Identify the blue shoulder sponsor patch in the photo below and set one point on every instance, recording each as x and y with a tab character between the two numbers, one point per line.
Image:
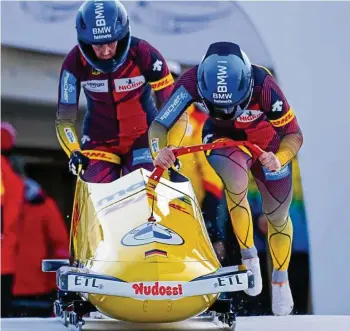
142	155
276	175
174	107
68	88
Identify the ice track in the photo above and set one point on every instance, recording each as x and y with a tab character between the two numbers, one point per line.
256	323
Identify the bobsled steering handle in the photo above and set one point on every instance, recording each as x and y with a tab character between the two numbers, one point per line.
158	171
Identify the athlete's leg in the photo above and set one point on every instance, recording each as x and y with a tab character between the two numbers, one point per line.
232	165
214	219
101	172
277	197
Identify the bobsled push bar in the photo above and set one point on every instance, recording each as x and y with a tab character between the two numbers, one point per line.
226	279
158	172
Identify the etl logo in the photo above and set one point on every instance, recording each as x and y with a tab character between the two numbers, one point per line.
228	280
87	282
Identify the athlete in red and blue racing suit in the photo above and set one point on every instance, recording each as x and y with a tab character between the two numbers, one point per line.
244	102
117	73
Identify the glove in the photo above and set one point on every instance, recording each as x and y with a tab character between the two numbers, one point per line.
77	162
175	167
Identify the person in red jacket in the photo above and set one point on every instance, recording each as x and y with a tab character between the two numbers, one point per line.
12	198
42	235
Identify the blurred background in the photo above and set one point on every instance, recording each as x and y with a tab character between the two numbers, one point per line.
304	44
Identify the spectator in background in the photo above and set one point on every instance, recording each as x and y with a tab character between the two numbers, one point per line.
32	229
42	235
12	199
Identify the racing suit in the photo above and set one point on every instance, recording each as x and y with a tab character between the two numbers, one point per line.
120	109
268	122
206	183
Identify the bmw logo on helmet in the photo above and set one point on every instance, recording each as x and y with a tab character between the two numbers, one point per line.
102	22
225	80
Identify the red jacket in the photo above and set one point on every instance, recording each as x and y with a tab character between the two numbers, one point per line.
12	199
43	235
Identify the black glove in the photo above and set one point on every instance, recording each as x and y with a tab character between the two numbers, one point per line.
77	159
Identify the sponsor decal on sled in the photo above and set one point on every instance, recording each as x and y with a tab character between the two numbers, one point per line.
149	233
156	252
123	203
87	282
117	195
157	290
230	280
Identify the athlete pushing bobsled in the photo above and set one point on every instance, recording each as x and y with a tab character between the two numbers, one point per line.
244	103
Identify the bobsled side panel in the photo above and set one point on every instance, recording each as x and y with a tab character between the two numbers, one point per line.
151	311
90	199
85	231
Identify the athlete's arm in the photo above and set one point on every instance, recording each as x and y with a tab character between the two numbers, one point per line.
68	100
156	71
282	117
183	95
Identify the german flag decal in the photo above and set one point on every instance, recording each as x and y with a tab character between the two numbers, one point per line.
155	252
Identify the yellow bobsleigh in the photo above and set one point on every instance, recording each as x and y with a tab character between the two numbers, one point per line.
141	253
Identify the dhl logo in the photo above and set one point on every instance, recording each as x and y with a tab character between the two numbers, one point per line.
101	155
172	205
179	208
104	156
285	119
75	220
164	82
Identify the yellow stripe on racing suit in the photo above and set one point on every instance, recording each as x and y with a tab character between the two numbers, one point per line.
67	136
